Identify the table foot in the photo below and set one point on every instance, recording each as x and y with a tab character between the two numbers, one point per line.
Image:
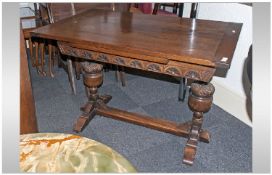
200	101
83	121
204	136
92	78
189	154
105	98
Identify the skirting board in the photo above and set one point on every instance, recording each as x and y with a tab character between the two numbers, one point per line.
232	102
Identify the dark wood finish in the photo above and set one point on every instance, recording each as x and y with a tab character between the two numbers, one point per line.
174	68
180	129
200	40
188	48
71	74
182	89
29	24
200	101
183	84
28	121
194	8
92	78
60	11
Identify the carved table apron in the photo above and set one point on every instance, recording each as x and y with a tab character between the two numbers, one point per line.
200	48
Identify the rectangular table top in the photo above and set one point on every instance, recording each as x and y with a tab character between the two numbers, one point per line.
148	37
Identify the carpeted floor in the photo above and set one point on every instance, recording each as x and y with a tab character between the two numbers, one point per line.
148	150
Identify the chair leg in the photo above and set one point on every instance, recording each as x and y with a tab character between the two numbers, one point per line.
39	66
77	69
122	76
53	55
71	75
31	52
50	59
58	57
182	89
117	75
106	68
42	59
36	53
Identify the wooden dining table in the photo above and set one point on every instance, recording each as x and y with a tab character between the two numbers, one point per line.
179	47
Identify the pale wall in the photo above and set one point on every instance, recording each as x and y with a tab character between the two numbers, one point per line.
231	91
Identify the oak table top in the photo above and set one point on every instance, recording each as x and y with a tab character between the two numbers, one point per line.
153	38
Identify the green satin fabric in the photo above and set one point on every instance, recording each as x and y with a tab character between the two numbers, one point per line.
65	153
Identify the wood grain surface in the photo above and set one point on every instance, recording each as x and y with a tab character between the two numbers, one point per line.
28	121
203	42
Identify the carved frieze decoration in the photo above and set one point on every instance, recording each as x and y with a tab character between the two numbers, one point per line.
173	71
154	67
179	69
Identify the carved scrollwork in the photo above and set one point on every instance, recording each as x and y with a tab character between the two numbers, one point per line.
173	71
154	67
102	57
91	67
73	52
136	64
193	75
202	89
193	71
120	61
207	75
86	54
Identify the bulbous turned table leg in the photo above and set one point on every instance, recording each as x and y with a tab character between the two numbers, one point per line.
92	79
200	101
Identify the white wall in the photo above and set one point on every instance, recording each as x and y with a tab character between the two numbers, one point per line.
230	92
232	12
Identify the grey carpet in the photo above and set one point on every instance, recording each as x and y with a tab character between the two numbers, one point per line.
148	150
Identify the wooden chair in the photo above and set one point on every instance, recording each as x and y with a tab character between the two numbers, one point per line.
158	6
28	24
60	11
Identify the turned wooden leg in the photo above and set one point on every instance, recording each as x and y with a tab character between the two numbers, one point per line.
182	89
31	52
78	69
40	66
36	53
54	55
50	59
42	54
200	101
92	78
122	76
117	73
71	75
